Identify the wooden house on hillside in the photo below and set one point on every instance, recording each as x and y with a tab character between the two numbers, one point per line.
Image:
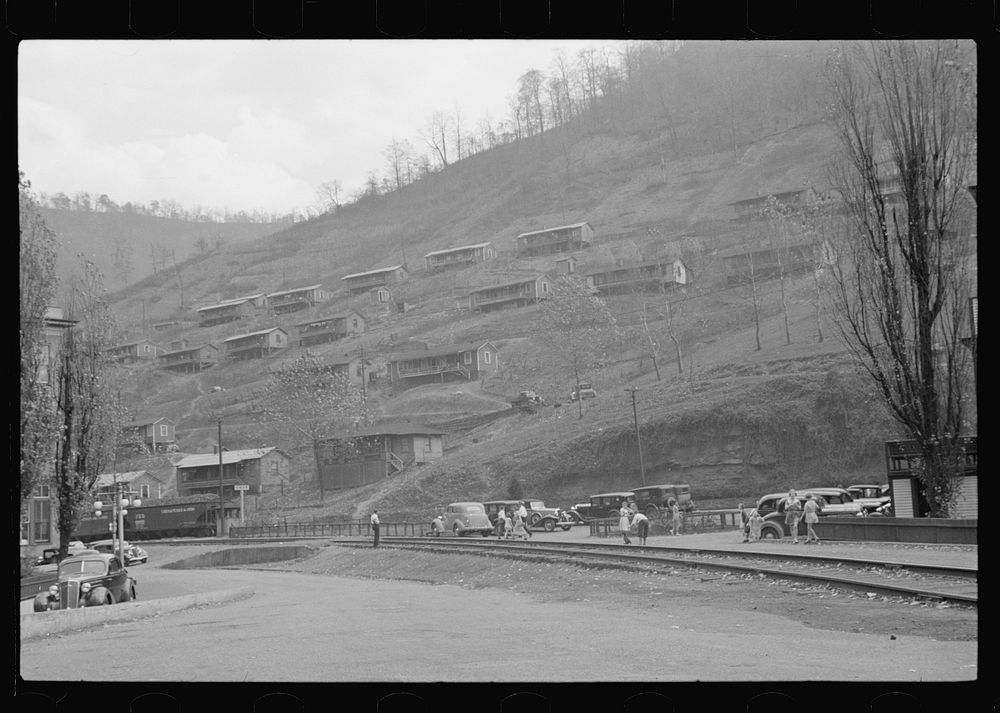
756	208
330	328
132	352
293	300
470	361
373	454
155	434
189	359
260	468
518	293
255	345
656	275
763	262
359	282
460	257
566	265
140	483
230	310
908	497
547	241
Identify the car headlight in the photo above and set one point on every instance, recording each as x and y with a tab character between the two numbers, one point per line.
86	587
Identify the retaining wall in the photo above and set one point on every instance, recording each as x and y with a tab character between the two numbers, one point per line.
243	555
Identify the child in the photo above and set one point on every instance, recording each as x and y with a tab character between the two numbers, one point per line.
755	521
745	522
508	528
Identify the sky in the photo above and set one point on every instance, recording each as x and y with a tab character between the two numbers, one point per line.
247	124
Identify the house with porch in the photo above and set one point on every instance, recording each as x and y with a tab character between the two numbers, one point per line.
763	262
469	361
255	345
189	359
140	483
375	453
460	257
38	512
330	328
649	276
229	310
154	434
263	469
560	239
298	298
359	282
132	352
756	207
508	295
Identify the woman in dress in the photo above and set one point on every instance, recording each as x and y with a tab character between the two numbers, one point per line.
811	510
624	522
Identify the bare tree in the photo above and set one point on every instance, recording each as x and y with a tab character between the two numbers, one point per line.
436	137
122	260
328	195
901	280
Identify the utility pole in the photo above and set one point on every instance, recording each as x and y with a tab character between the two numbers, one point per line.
638	443
221	510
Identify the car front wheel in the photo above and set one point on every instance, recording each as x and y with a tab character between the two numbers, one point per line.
566	527
770	533
549	525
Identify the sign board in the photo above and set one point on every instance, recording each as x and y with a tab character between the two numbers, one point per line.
241	487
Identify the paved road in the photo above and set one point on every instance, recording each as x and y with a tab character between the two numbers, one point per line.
305	627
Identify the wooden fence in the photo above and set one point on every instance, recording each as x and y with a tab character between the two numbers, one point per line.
691	522
328	529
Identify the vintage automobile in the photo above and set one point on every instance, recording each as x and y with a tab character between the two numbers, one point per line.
467	518
546	518
133	553
50	554
583	390
527	401
870	497
493	507
652	499
834	501
605	505
86	580
579	512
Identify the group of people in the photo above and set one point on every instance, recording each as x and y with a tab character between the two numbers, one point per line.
795	511
630	519
514	525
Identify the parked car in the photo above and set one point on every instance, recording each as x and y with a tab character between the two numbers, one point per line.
583	390
493	507
651	499
527	401
546	518
465	518
50	554
133	553
580	512
605	505
772	507
86	580
870	497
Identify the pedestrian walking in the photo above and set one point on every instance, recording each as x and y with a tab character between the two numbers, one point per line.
793	513
811	510
437	526
523	514
375	527
501	523
508	527
520	531
624	522
755	521
745	522
641	524
675	517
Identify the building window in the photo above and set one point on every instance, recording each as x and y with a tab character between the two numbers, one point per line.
43	364
164	429
145	348
41	520
545	287
355	323
427	444
41	491
486	357
144	491
467	357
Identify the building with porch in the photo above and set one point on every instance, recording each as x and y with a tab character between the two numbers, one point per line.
255	345
229	310
756	207
649	276
518	293
373	454
189	359
293	300
469	361
460	257
359	282
561	239
330	328
263	469
141	483
155	434
132	352
763	262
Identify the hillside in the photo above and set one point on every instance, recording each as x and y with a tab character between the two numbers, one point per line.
736	422
108	238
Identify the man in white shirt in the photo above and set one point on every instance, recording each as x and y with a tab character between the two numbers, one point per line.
501	523
523	512
375	524
641	524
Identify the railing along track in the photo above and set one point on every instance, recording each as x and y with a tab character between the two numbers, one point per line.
950	584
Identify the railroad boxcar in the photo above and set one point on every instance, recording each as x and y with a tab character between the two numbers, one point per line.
152	522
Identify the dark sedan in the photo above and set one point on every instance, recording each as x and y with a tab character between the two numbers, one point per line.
86	580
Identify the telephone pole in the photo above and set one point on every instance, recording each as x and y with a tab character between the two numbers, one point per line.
638	442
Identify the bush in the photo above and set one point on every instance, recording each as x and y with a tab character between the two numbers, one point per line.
514	490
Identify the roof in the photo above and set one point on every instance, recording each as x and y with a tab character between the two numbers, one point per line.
743	250
455	250
328	318
148	421
439	351
292	291
106	479
549	230
188	349
202	459
127	344
620	492
254	334
776	194
372	272
513	282
224	304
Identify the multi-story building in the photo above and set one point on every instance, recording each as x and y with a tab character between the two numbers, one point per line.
469	361
132	352
293	300
189	359
255	345
657	275
518	293
330	328
260	468
359	282
547	241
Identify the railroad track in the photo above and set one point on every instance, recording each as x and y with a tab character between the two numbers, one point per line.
928	582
